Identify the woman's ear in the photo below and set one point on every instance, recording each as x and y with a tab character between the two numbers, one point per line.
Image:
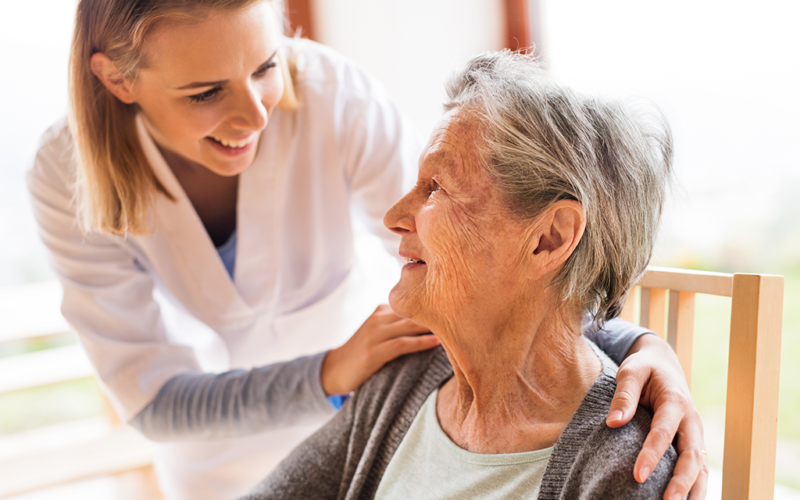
558	231
111	78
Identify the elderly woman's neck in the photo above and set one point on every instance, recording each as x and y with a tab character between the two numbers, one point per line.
516	382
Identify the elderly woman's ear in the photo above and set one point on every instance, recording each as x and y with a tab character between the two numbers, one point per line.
556	234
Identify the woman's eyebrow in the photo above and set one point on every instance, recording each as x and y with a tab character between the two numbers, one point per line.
219	83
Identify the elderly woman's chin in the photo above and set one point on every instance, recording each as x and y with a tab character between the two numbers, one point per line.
405	297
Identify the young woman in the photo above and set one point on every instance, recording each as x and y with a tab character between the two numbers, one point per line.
198	209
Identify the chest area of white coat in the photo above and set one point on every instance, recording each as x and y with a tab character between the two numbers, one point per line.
294	237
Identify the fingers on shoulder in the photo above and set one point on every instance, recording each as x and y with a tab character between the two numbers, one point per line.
632	373
383	314
700	487
663	429
690	476
675	397
407	344
626	399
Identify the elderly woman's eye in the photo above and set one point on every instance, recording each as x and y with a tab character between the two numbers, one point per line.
435	186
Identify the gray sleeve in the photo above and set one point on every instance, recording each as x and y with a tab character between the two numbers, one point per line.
236	403
616	337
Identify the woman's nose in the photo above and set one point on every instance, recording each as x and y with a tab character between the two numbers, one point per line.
400	219
250	113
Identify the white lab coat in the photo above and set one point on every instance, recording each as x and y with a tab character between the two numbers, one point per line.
149	307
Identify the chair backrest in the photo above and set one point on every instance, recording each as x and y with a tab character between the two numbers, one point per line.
751	409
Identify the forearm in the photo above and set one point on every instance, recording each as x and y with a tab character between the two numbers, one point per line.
236	403
617	338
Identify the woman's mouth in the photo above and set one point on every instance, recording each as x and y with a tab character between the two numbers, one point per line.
233	147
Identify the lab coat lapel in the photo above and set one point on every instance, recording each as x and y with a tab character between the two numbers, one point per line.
184	255
262	201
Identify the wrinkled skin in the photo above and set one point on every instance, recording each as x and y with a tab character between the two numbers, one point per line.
455	212
520	366
472	262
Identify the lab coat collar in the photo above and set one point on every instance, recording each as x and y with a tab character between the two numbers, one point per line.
263	190
197	276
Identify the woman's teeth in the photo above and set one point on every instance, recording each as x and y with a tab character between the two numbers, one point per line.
414	261
236	144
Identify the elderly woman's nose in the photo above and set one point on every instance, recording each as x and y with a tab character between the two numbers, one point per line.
399	218
249	112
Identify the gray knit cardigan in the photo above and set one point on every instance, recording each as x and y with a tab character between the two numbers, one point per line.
346	458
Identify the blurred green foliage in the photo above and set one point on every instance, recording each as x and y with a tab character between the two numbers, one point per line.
51	404
48	405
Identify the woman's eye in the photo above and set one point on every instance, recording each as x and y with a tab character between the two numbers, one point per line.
435	186
205	96
264	69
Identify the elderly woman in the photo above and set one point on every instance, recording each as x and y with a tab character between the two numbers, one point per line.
533	205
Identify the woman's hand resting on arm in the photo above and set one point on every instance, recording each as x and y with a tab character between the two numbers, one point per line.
651	375
383	337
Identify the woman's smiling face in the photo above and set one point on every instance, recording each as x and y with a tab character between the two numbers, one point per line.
464	248
209	87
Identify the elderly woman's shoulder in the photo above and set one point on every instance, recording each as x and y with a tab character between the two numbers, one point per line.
609	456
593	460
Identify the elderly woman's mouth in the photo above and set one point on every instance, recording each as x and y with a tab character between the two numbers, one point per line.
410	257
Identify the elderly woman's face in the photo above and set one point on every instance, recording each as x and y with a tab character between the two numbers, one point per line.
463	248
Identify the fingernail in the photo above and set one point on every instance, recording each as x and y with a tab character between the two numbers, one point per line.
644	474
614	416
676	496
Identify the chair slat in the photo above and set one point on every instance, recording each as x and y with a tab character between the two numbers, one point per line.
688	281
644	307
630	306
653	310
672	320
681	335
751	411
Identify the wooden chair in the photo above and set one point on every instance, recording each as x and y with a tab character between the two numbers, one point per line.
751	411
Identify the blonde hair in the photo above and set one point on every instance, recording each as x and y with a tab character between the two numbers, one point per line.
115	184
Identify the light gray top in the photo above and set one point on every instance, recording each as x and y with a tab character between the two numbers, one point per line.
347	458
428	465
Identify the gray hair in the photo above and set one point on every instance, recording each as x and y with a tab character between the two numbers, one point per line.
542	142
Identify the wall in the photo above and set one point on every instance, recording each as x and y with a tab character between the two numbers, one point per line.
411	45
